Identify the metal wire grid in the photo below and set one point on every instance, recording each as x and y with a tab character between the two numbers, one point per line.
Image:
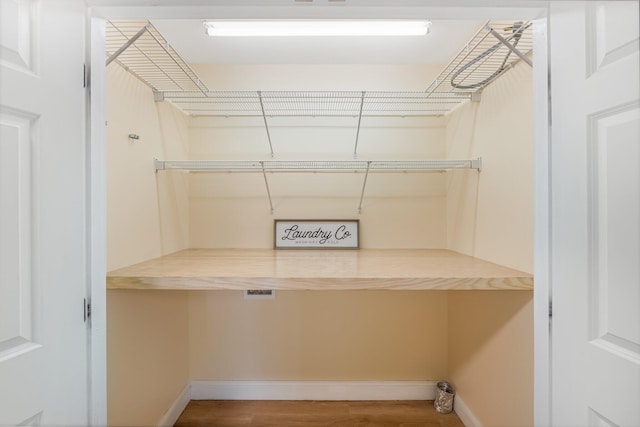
316	165
150	57
483	58
313	103
478	63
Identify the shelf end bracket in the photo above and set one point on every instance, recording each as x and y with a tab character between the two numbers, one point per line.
158	165
477	164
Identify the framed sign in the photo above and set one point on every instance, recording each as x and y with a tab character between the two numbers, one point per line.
316	234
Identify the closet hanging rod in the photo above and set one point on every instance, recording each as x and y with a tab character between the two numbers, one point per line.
317	165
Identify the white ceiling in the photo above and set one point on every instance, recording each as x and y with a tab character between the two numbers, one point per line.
445	39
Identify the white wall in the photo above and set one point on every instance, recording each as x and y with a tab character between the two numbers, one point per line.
490	355
232	210
318	335
490	216
358	77
147	213
147	216
147	354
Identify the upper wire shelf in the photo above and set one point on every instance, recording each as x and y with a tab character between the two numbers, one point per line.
495	48
313	103
140	48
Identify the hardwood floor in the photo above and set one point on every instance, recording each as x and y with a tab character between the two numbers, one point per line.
234	413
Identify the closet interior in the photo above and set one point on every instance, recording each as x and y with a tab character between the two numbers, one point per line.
435	161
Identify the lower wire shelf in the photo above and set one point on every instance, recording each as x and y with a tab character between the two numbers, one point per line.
317	165
335	166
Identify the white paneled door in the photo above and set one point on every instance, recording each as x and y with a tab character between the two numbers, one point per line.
43	214
595	213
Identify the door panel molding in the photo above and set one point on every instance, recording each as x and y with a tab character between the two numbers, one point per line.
614	229
18	35
610	35
43	214
16	257
596	419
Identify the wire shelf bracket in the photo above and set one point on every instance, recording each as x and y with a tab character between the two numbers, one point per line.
364	185
266	125
355	148
266	183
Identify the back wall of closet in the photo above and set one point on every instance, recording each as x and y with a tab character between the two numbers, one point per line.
481	341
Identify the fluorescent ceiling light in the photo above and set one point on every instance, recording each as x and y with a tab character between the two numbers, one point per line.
260	28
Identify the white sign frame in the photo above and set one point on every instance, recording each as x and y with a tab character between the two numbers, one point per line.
316	234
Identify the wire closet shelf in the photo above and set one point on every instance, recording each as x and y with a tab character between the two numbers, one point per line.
143	51
140	48
354	166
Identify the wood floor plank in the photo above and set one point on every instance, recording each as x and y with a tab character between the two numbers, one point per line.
282	413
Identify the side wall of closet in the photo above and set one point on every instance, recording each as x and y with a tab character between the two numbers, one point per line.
490	216
159	340
147	216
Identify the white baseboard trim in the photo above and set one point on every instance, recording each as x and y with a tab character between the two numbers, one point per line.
313	390
464	413
173	413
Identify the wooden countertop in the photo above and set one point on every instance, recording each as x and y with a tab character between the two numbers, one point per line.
194	269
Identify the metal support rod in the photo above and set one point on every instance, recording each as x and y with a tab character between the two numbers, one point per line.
510	47
129	42
364	185
266	183
266	125
355	149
